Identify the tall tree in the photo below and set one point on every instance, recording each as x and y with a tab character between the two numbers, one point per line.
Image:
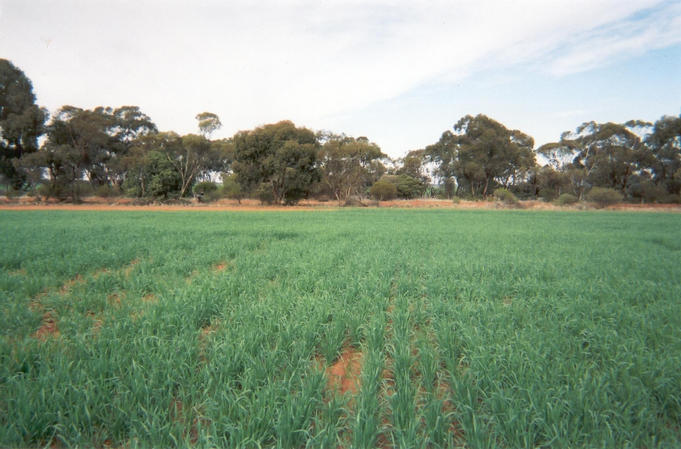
413	164
603	155
88	134
279	160
664	145
349	165
21	120
130	123
481	153
208	123
187	157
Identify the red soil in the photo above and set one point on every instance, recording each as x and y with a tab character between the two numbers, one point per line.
48	328
70	283
150	297
221	266
127	204
344	375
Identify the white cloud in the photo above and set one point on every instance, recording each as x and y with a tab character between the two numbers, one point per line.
658	29
257	62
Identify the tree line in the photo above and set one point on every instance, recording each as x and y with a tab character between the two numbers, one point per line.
120	151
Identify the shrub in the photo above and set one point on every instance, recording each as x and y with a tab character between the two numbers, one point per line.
231	188
456	200
671	199
566	199
105	191
505	196
383	190
206	191
264	194
548	194
603	196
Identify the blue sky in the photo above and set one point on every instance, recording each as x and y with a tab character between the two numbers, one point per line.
398	72
540	104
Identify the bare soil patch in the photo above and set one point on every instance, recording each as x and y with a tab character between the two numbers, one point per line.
343	376
221	266
48	328
68	285
128	204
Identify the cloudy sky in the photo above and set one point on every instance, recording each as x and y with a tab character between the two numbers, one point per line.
398	72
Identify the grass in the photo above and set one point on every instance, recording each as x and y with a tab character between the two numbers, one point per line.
477	329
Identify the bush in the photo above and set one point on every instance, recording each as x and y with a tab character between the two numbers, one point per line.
383	190
456	200
566	199
206	191
231	188
264	194
106	191
505	196
548	194
603	196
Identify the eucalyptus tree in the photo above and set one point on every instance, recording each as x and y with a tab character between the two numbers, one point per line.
349	165
278	161
21	120
208	123
482	153
664	145
602	154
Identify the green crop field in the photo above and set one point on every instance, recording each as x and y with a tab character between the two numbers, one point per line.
340	329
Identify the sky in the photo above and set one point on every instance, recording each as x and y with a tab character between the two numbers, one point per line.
398	72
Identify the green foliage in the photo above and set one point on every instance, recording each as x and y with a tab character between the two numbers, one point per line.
278	157
664	157
475	328
505	196
152	175
383	190
231	188
206	191
603	196
106	191
481	153
645	190
407	186
349	165
566	199
208	123
21	120
264	194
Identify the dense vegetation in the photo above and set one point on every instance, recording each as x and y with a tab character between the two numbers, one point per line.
114	151
507	329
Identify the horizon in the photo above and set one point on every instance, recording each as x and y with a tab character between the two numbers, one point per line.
393	72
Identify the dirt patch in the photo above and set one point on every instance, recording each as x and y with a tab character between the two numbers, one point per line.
97	323
48	328
222	266
343	375
68	285
114	299
150	297
204	335
127	204
99	273
35	305
128	269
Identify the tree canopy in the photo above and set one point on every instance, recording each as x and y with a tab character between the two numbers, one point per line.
482	152
21	120
279	161
120	150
